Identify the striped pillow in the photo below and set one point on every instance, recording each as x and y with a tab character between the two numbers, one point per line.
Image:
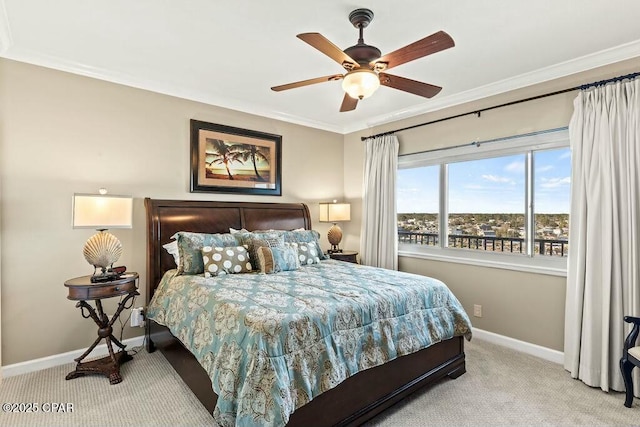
277	259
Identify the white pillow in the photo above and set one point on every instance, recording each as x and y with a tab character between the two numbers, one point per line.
234	231
172	248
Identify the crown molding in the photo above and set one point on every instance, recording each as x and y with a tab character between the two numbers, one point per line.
584	63
563	69
210	98
6	41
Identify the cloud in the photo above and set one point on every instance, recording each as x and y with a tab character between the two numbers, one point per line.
496	178
517	166
544	168
554	182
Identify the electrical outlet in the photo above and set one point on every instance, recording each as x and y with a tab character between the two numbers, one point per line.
137	317
134	317
477	310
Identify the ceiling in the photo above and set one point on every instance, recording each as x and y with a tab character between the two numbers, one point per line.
229	53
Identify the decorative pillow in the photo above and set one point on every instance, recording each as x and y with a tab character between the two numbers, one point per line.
190	246
227	260
308	253
256	243
172	249
277	259
305	236
253	240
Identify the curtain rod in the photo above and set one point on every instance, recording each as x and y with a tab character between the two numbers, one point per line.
507	104
488	141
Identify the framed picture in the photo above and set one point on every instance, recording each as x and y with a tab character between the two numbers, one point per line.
232	160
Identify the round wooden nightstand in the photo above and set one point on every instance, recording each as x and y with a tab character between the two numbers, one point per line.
82	290
348	256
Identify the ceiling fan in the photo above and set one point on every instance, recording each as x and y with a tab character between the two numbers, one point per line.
366	66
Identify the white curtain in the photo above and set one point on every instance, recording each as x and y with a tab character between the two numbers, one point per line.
379	235
603	274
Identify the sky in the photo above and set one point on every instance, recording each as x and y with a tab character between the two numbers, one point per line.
494	185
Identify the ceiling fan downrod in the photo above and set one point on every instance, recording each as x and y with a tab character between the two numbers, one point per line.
361	18
362	52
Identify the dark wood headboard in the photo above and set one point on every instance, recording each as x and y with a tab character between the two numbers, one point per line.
166	217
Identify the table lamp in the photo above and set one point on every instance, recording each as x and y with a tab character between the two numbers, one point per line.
335	212
102	212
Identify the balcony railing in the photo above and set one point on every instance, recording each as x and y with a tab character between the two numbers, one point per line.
551	247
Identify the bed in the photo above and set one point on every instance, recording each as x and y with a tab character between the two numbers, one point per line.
353	400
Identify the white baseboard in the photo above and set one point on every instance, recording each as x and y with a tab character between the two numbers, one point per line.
63	358
522	346
101	350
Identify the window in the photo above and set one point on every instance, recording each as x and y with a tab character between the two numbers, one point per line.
418	200
552	180
506	201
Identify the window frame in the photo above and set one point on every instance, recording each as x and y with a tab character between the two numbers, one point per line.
525	144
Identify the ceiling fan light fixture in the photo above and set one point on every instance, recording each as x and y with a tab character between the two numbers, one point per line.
360	83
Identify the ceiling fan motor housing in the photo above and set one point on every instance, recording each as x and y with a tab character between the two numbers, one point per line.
363	53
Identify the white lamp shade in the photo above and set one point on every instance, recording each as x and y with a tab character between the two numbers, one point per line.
335	212
360	83
102	212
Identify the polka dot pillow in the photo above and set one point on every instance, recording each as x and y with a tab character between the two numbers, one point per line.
308	253
228	260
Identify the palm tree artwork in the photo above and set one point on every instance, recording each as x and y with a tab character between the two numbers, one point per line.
256	154
219	152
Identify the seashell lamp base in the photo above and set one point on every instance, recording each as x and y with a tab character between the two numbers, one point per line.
102	250
334	236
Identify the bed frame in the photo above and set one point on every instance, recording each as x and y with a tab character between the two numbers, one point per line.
355	400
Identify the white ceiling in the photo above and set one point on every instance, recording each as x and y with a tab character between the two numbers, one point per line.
229	53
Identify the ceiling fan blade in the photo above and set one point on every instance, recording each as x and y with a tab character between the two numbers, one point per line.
428	45
408	85
321	43
348	103
307	82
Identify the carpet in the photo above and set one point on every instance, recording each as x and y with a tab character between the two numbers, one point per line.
501	387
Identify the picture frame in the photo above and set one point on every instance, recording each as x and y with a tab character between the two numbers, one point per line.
226	159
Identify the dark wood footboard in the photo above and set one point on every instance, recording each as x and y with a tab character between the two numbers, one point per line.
351	403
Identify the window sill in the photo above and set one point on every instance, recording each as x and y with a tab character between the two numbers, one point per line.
538	265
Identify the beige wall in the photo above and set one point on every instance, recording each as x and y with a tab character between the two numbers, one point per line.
61	134
525	306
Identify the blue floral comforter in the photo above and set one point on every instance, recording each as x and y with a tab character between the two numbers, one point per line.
271	343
